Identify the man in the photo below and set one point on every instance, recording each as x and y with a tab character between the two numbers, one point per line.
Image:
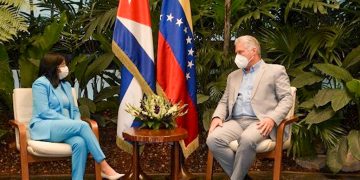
257	97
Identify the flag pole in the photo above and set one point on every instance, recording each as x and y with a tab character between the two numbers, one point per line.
184	174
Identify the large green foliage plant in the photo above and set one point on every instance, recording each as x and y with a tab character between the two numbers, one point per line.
315	40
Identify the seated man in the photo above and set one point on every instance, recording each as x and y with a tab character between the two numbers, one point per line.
256	99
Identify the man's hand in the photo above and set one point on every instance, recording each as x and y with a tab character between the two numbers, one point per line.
215	123
265	125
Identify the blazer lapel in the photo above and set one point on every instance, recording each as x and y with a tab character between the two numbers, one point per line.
257	79
69	96
58	98
237	83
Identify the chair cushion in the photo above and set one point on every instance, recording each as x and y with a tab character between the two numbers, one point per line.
264	146
49	149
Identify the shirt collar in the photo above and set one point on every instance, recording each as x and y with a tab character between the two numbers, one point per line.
254	67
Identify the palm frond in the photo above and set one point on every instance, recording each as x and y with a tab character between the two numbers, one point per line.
328	42
56	7
329	132
15	3
284	45
262	9
99	17
10	23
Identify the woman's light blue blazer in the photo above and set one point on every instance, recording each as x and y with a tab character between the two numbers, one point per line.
47	106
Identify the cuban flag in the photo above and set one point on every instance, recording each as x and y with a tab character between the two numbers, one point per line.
133	46
175	67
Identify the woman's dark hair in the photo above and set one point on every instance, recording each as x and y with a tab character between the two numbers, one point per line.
48	67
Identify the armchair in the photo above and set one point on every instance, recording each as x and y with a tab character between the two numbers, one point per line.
267	148
34	151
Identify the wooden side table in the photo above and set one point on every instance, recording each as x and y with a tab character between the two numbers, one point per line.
136	135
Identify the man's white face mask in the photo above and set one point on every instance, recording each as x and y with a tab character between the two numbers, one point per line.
241	61
64	71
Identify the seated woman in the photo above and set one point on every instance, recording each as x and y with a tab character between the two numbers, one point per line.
56	118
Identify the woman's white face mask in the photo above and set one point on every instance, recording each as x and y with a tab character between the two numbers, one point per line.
63	72
241	61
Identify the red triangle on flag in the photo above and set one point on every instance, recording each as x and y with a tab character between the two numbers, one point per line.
135	10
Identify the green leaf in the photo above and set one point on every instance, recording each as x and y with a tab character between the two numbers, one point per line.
343	150
202	98
89	103
352	58
319	115
106	93
99	64
332	162
306	78
11	20
340	99
354	143
323	97
299	69
334	71
308	104
105	44
84	111
207	118
51	35
354	87
6	78
28	72
104	105
78	59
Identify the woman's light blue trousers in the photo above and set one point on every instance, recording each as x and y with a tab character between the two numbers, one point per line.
82	140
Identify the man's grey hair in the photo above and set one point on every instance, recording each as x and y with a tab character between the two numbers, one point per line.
250	42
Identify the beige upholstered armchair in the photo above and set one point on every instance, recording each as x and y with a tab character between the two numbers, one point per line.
33	151
267	148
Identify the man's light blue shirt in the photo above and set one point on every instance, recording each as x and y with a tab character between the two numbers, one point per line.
242	105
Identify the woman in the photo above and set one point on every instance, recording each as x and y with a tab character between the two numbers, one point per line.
56	118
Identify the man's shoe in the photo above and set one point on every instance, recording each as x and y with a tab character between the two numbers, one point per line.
113	177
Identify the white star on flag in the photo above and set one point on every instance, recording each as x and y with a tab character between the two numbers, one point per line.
187	75
190	64
161	16
188	40
191	52
185	29
179	21
169	17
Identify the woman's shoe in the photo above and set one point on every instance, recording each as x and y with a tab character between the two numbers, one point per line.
113	177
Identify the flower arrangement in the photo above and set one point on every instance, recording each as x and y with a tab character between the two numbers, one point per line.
156	112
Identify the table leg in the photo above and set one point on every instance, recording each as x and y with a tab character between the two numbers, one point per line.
136	160
175	161
134	171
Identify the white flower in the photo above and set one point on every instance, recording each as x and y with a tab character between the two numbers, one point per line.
156	111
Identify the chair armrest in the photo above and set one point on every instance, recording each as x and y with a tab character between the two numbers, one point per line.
94	126
22	133
290	120
280	130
